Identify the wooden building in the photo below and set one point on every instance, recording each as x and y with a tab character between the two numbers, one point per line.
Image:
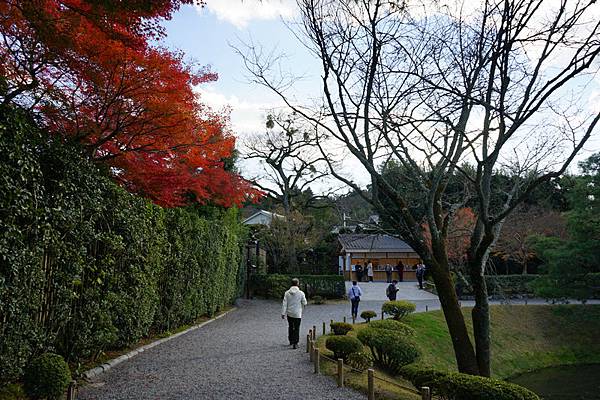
380	249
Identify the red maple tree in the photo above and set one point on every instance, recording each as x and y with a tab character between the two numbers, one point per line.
88	70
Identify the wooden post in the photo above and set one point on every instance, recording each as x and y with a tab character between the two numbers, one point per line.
72	390
324	328
426	308
425	393
314	332
344	318
307	343
330	329
340	372
312	350
317	361
371	384
382	313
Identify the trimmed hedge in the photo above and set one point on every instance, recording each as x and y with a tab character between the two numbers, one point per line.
510	286
398	309
343	346
368	315
47	377
275	285
391	350
87	267
340	328
393	325
458	386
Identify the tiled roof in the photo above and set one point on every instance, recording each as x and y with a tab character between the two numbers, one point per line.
373	242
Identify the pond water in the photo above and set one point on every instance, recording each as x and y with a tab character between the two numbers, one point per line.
576	382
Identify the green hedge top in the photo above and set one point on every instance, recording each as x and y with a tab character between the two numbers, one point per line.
275	285
458	386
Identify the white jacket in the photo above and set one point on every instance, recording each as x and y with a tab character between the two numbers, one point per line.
294	301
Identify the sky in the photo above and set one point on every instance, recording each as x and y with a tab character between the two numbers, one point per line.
206	35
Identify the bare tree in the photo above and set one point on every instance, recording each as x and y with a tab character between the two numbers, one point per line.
290	160
498	84
291	163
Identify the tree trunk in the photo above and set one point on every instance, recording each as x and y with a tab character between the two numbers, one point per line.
463	348
481	321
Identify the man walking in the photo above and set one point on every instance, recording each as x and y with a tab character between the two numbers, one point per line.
294	302
354	294
392	290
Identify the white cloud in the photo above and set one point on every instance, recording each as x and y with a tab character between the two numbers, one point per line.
241	12
247	114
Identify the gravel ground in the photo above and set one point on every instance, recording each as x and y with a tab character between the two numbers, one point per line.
243	355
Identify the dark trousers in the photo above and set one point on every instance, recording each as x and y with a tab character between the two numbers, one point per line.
293	329
388	275
420	279
355	302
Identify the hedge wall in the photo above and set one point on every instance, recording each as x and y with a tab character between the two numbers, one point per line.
502	286
508	286
275	285
86	266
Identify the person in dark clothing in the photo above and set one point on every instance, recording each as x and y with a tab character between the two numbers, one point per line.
392	290
359	272
400	269
388	273
420	274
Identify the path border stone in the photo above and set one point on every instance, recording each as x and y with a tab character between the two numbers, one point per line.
94	372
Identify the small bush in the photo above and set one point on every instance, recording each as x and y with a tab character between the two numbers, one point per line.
47	377
318	300
398	309
343	346
393	325
420	376
360	360
391	350
367	315
457	386
340	328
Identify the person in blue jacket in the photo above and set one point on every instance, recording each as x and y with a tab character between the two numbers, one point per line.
354	294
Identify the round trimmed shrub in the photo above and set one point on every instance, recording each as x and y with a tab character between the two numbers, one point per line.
340	328
47	377
360	360
398	309
393	325
367	315
391	350
343	346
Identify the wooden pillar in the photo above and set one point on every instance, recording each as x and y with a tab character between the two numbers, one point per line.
314	331
308	343
317	361
72	390
371	384
324	328
425	393
340	372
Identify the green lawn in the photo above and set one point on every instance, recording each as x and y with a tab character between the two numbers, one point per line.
524	338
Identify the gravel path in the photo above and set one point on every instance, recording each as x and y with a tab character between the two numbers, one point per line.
243	355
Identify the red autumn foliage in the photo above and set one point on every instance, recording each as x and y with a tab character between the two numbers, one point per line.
87	69
459	235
